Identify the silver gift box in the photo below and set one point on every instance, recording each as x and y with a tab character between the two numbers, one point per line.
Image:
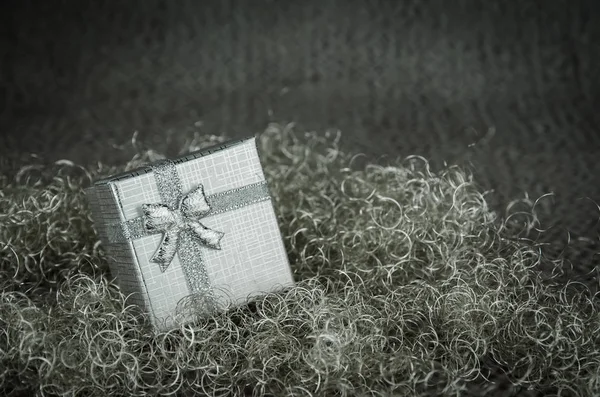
192	235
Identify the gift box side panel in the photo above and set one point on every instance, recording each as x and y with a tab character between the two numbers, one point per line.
231	168
253	260
106	211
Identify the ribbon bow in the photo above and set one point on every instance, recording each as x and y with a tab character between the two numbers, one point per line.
174	221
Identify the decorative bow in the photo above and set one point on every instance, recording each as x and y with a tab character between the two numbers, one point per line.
173	221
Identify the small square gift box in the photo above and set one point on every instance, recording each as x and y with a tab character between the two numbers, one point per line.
191	235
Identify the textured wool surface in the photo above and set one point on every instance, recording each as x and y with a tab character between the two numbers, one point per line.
407	284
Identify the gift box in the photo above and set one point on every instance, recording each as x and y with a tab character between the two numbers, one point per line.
191	235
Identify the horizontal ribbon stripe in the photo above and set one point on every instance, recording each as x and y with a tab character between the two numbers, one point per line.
134	229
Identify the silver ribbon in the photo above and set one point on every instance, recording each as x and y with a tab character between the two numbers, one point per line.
177	218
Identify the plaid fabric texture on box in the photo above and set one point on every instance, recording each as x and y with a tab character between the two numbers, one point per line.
251	259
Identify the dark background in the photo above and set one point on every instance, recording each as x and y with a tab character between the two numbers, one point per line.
519	79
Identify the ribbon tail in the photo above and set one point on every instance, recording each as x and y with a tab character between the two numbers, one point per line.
157	217
210	238
167	249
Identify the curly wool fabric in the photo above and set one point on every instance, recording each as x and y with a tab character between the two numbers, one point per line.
407	285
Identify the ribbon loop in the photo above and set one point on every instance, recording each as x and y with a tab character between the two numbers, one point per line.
194	204
158	217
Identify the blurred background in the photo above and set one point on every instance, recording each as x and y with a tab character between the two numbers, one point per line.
508	88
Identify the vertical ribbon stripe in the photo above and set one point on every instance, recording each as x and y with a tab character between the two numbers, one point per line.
194	270
167	180
188	249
